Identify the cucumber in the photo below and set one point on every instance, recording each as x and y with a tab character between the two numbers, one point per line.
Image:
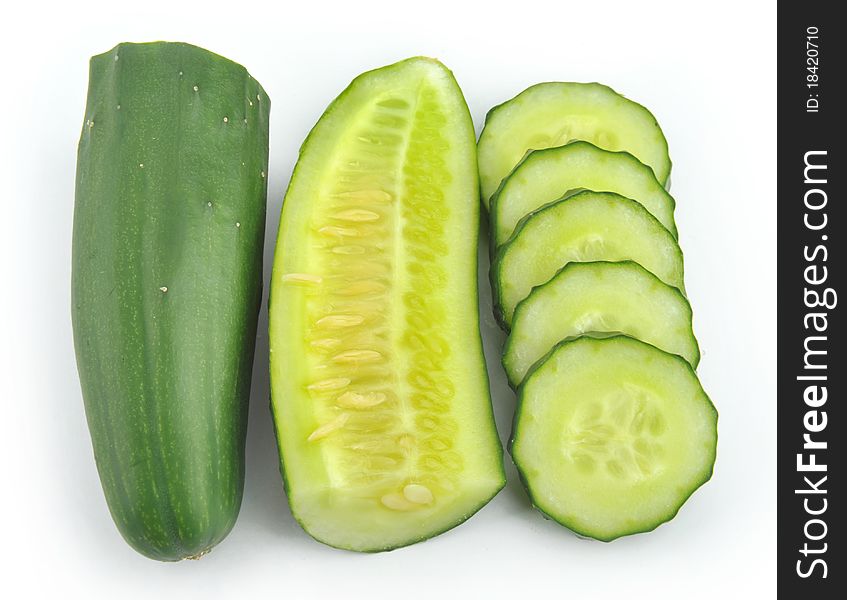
379	385
587	226
612	436
544	176
601	297
167	273
552	114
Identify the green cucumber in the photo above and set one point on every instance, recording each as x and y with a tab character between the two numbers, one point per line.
544	176
602	297
379	385
167	274
587	226
612	436
552	114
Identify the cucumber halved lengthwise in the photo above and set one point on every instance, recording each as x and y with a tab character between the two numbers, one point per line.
379	385
553	114
167	275
612	435
599	297
588	226
544	176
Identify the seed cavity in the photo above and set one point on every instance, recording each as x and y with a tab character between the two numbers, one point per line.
301	278
335	383
406	441
334	230
584	463
357	215
362	287
615	469
418	494
348	249
226	119
325	343
357	356
366	196
329	428
334	321
657	424
397	454
358	400
396	501
396	103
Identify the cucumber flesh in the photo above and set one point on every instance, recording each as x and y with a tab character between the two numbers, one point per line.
599	297
553	114
379	385
588	226
613	435
544	176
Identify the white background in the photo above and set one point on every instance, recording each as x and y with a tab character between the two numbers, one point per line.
707	71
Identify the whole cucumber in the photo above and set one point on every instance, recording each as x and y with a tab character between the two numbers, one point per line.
167	276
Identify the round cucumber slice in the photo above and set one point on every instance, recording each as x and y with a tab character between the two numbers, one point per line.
554	113
544	176
603	297
613	435
587	226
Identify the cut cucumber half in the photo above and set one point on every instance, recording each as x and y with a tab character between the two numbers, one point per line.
379	384
587	226
544	176
601	297
554	113
612	436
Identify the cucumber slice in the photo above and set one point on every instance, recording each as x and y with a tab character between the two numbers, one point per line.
605	297
587	226
612	436
544	176
379	384
552	114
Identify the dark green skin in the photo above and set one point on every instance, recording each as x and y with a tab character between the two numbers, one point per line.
166	288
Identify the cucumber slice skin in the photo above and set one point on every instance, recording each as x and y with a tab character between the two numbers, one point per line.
496	162
169	225
576	165
626	286
306	497
524	470
627	212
